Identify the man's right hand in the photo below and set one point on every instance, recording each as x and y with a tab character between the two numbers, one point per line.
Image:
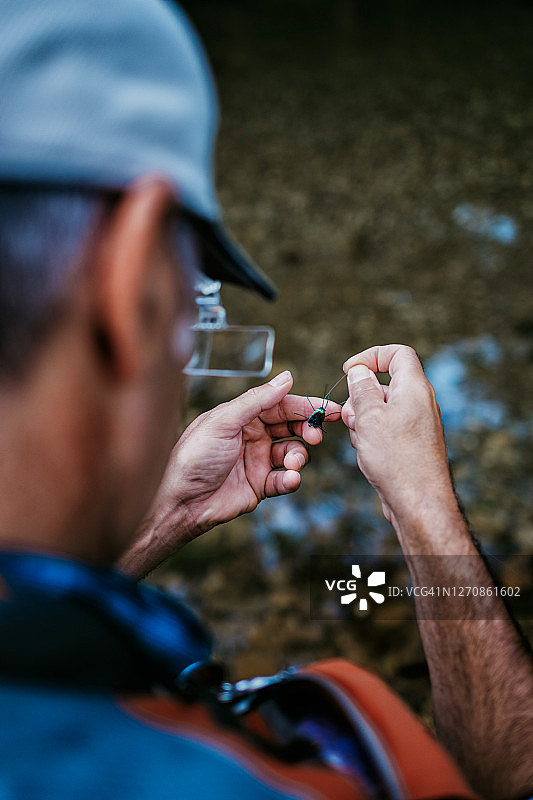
481	673
397	432
226	462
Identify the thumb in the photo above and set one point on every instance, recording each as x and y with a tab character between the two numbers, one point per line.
258	399
364	388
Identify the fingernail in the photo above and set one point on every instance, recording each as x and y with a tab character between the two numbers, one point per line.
301	458
358	373
283	377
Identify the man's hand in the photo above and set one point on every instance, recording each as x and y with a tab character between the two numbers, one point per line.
224	464
481	674
397	432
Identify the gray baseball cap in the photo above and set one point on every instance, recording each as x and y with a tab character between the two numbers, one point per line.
97	93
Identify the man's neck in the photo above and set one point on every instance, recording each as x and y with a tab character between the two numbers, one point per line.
49	466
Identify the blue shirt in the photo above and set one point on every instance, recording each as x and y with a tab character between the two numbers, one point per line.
78	643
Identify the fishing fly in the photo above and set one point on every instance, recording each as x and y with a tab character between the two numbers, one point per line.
316	419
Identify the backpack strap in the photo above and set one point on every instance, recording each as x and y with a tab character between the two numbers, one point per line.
304	779
331	720
419	761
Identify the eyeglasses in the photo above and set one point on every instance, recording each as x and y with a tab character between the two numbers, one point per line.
222	350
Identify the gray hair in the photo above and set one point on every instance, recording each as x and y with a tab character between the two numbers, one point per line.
46	233
43	236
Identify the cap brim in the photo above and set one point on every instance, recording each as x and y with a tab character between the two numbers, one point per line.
223	259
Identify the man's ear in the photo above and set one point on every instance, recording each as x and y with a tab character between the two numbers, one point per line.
124	286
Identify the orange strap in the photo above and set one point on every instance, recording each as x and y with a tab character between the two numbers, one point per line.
427	769
193	721
424	769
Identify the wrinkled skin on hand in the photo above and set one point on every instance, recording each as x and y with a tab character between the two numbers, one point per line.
397	429
230	458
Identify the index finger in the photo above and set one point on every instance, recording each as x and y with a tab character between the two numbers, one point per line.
391	358
289	417
282	430
294	407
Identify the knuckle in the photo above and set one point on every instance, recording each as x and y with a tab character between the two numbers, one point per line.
220	409
426	392
362	394
410	354
431	393
252	393
347	410
369	416
203	420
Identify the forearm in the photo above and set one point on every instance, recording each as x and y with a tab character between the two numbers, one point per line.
163	532
481	672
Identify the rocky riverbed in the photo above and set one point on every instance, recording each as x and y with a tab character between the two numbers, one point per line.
379	167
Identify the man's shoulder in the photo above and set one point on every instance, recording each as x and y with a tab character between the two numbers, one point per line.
80	705
67	640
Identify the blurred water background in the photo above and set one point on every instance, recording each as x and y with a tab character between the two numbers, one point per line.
376	158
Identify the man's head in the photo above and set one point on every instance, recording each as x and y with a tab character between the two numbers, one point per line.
106	197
